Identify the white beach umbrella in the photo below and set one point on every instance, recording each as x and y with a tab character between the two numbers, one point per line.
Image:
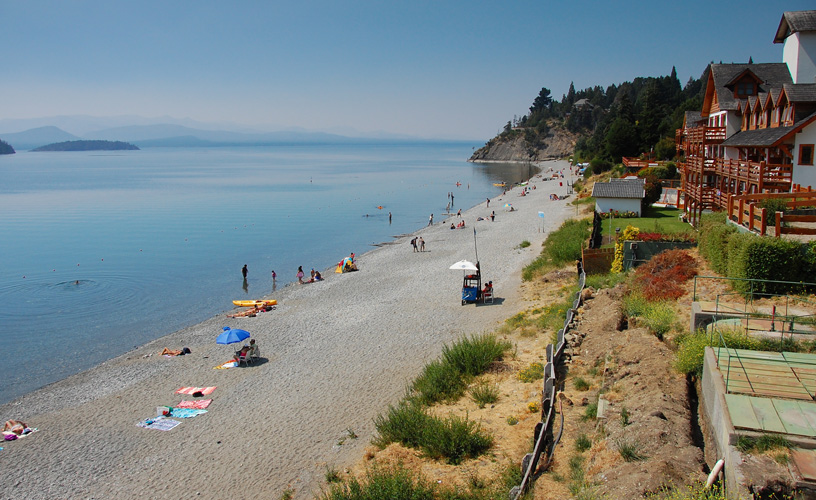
464	265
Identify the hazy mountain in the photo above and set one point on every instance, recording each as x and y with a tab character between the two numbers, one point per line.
146	135
36	137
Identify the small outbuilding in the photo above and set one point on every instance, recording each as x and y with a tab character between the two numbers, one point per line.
619	195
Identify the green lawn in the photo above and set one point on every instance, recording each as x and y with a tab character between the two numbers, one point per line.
656	220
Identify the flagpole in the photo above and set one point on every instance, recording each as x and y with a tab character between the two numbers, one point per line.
475	246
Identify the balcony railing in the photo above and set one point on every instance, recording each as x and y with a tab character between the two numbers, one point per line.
705	135
761	174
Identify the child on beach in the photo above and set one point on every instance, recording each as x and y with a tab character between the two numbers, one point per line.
300	275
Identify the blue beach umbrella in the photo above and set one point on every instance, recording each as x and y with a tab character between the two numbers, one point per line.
231	336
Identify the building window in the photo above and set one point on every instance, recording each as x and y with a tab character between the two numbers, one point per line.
745	89
806	154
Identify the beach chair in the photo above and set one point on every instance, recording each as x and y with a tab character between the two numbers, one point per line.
254	354
246	359
487	296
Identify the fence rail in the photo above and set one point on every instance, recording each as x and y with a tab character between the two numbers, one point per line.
545	441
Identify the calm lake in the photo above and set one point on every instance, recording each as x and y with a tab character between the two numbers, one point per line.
103	251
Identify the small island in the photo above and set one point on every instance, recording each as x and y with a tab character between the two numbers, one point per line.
87	146
5	148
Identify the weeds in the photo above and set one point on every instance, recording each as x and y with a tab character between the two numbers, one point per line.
591	412
332	476
580	384
624	416
763	443
561	247
532	373
582	443
695	491
484	394
472	356
524	244
630	451
512	420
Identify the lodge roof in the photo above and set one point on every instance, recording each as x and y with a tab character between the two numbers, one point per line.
771	74
800	92
794	22
767	137
693	119
756	138
620	188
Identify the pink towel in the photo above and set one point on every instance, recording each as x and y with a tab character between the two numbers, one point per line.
190	390
195	405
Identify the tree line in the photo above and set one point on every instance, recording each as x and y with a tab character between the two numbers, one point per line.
5	148
634	117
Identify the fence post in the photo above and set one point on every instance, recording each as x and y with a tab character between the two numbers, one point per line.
763	221
750	216
778	224
741	211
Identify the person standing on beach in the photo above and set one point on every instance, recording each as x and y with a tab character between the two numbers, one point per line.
389	217
274	276
421	244
488	203
300	275
244	271
459	213
451	199
414	243
430	220
493	216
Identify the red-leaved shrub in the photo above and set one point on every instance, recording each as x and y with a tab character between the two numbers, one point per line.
662	277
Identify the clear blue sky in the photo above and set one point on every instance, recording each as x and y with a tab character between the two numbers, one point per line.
446	69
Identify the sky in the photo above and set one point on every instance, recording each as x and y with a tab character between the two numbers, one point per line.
432	69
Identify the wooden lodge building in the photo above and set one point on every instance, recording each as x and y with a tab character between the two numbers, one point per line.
756	131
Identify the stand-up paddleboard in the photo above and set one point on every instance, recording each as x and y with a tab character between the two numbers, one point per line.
255	303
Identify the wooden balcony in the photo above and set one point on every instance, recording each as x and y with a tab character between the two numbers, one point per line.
757	176
705	135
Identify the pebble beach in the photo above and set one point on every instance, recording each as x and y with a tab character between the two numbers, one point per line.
334	355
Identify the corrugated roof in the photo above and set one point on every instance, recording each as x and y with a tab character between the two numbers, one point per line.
795	22
801	92
620	189
771	74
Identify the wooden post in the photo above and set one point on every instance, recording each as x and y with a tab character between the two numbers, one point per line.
750	216
763	221
741	211
730	208
778	224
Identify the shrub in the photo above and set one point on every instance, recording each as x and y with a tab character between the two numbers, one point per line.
714	236
395	483
512	420
532	373
663	276
561	247
403	423
439	381
524	244
472	356
691	352
454	439
659	318
590	412
763	443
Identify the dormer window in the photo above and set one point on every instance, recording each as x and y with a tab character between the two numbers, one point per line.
745	89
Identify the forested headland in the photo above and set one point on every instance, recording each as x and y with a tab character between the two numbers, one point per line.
87	146
5	148
629	119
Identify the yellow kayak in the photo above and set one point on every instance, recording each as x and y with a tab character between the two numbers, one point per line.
500	184
255	303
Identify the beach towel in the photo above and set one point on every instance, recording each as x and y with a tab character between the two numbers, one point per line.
228	364
158	423
198	405
190	390
186	412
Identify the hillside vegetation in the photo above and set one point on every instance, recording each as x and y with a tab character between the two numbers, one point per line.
6	149
608	124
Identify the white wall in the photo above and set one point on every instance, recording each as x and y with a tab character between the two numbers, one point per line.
804	175
619	204
799	53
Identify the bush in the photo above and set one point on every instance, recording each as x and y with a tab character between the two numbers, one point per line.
582	443
454	439
561	247
404	423
472	356
659	318
396	483
439	381
692	346
484	394
663	276
713	244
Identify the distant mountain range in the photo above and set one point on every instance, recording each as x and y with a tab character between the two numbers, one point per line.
34	133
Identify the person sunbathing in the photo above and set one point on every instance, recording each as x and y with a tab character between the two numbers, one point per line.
168	352
15	426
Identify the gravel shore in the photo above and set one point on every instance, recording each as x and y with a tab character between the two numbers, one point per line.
334	355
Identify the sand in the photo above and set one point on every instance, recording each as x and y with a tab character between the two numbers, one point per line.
334	354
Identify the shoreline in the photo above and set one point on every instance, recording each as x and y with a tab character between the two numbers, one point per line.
334	355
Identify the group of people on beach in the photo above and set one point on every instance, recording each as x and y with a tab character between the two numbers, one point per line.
313	276
418	243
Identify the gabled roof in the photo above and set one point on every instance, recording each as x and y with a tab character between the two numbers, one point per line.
692	119
794	22
767	137
722	75
800	92
620	189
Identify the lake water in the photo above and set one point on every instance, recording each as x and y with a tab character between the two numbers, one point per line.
104	251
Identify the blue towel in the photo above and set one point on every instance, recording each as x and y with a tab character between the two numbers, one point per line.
185	412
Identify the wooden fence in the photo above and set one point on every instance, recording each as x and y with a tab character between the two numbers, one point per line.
745	210
545	441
